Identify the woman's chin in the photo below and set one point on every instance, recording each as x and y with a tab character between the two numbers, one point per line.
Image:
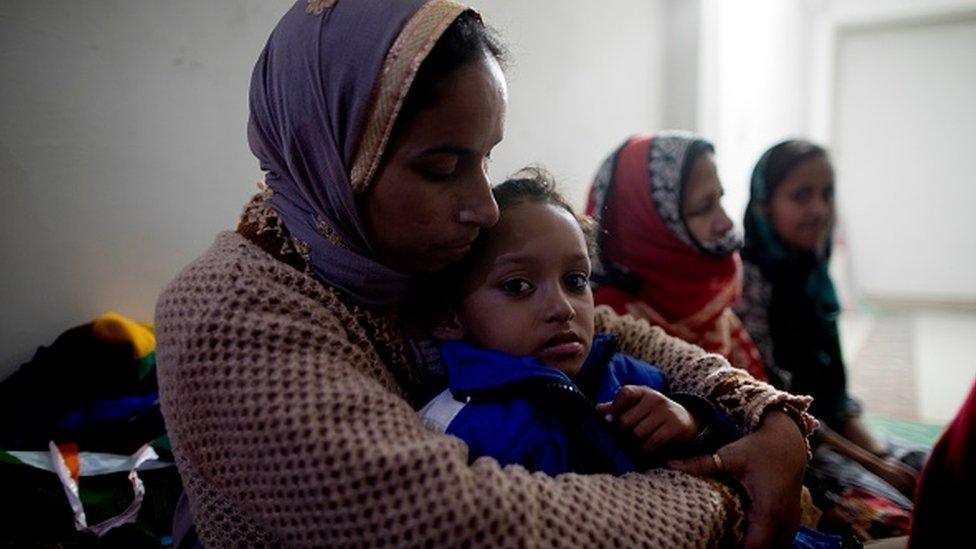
430	265
810	242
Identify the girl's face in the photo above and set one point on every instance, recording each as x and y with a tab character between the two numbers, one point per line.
801	208
701	202
431	194
527	292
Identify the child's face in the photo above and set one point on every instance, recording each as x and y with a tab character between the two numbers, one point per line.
527	292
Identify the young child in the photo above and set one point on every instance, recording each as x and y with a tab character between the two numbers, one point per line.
529	383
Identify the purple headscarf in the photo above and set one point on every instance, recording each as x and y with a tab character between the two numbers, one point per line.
317	92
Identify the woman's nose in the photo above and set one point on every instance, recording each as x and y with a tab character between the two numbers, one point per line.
823	209
479	207
723	224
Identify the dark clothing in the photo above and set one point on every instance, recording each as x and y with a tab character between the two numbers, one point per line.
946	493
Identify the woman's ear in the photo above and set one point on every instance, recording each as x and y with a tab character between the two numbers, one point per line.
447	324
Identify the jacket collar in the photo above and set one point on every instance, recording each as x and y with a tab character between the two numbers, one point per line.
473	370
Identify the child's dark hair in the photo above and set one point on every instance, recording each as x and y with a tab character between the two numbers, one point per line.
536	185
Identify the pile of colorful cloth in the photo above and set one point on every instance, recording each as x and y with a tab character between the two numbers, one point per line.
84	457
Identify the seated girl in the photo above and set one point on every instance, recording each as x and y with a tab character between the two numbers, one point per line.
791	310
525	369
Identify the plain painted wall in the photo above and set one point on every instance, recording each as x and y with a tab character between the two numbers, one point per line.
123	152
122	134
907	183
584	78
894	109
752	84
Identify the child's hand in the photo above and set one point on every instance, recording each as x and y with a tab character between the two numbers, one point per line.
656	420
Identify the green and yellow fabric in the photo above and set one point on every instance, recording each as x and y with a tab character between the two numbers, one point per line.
84	456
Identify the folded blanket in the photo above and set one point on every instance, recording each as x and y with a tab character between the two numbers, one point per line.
94	386
83	446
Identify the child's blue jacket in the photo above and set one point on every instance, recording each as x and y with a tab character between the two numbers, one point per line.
520	411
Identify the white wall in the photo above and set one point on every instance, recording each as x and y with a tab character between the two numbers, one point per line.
682	47
770	69
122	150
584	78
903	140
828	16
834	111
753	84
122	134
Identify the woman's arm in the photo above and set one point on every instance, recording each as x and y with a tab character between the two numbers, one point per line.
894	472
855	431
690	369
287	432
769	461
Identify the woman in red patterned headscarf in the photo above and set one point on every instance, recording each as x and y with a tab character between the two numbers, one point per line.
668	253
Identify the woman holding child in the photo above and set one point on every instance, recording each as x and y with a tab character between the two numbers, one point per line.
290	359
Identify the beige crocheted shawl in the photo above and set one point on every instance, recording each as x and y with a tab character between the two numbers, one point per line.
288	415
288	408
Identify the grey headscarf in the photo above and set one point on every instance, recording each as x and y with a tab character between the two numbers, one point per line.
673	153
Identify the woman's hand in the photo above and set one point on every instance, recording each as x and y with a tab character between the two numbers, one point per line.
769	463
656	420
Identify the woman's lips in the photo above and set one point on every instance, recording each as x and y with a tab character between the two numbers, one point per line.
816	225
458	252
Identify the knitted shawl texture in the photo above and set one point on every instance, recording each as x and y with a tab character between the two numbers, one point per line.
288	405
289	428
